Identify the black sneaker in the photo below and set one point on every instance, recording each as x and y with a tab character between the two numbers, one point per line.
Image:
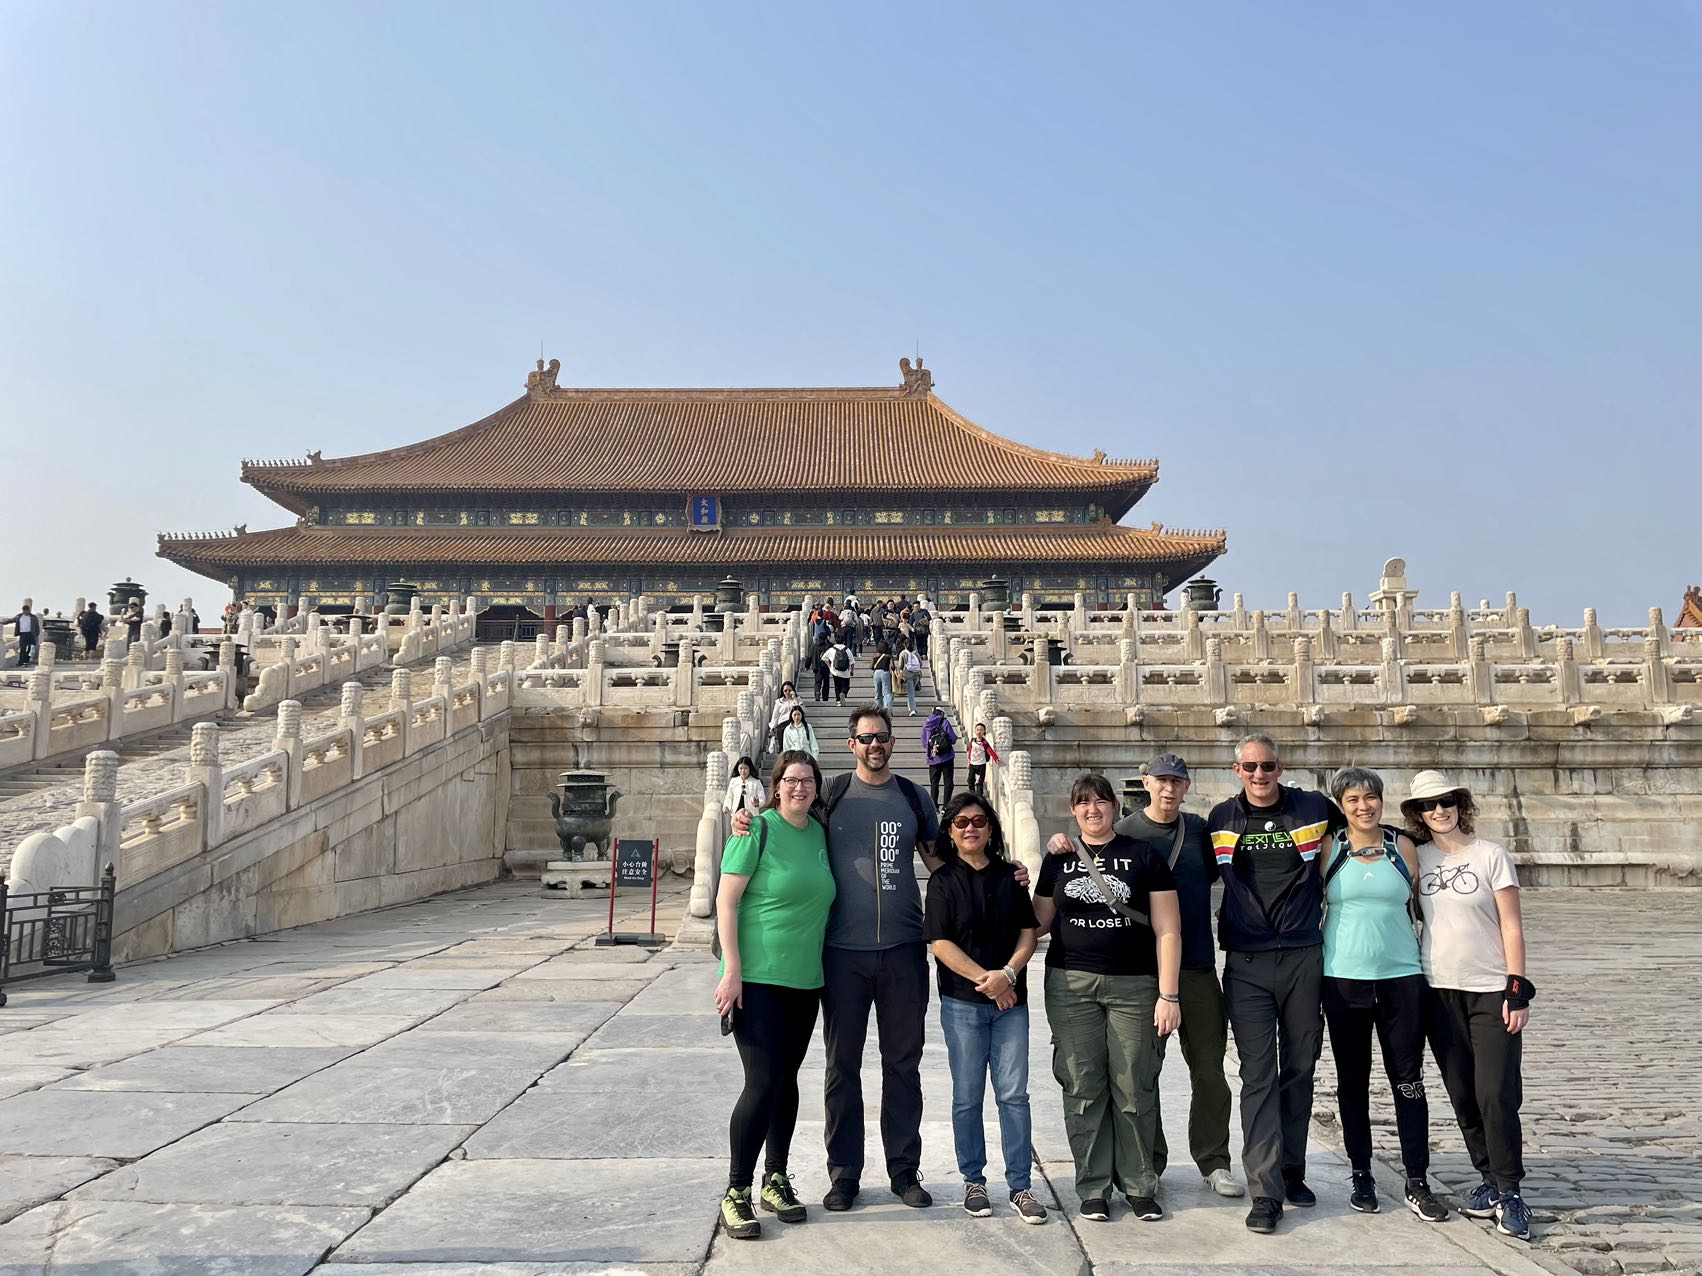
1264	1215
1145	1208
1364	1197
1295	1189
1096	1208
738	1219
1513	1216
975	1201
841	1196
908	1188
1422	1201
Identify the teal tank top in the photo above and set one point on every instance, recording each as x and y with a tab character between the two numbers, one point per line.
1367	931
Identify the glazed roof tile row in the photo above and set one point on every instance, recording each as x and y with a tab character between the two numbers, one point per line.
711	441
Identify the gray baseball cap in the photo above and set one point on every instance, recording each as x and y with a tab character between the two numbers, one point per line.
1168	764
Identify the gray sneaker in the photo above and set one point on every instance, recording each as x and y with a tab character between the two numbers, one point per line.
975	1201
1027	1208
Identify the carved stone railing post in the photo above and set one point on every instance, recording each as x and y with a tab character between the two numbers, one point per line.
1078	611
1392	632
685	676
1004	733
541	652
1459	628
1292	616
711	837
227	666
593	622
1132	617
1393	673
100	801
697	615
1305	676
1349	618
401	688
732	741
596	656
478	671
288	738
1482	673
443	680
1022	828
999	640
1510	613
578	632
1656	675
350	717
1238	612
1261	637
505	656
1217	677
112	675
136	662
46	655
174	679
1328	647
1566	671
1193	637
1524	635
986	709
1658	631
1042	676
972	618
1128	670
1594	646
727	648
563	636
749	727
204	769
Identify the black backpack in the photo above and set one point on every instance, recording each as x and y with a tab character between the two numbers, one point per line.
841	660
939	743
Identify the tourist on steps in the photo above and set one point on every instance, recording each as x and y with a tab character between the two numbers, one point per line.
27	626
91	623
842	664
980	754
818	662
799	734
982	931
781	715
771	912
1373	982
882	670
744	790
938	740
1266	841
1180	840
1478	999
909	674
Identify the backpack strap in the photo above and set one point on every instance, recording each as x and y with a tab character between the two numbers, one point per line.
1391	852
840	784
1176	842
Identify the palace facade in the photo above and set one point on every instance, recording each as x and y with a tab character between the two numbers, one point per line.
570	494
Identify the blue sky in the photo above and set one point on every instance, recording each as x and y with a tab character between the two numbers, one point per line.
1368	279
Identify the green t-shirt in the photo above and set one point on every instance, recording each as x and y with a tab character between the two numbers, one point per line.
783	912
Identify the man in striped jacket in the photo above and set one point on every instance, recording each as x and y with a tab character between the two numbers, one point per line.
1266	840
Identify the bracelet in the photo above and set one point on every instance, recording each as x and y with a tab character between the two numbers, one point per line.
1010	975
1174	998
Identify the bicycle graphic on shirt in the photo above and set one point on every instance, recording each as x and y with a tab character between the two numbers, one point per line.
1461	880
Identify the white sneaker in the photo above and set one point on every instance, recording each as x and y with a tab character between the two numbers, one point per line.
1221	1182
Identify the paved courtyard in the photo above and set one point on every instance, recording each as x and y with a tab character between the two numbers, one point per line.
466	1085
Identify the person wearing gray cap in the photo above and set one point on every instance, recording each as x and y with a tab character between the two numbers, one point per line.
1180	838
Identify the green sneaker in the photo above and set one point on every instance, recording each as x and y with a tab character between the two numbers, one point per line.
779	1199
738	1219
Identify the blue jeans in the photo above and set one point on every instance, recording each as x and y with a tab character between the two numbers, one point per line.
883	688
981	1038
910	691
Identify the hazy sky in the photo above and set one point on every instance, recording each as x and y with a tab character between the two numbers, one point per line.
1368	279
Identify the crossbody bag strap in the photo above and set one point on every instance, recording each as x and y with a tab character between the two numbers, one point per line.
1176	842
1117	905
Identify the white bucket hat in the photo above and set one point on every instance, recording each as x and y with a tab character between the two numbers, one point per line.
1432	784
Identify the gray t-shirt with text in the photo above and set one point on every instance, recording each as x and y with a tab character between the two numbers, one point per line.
871	846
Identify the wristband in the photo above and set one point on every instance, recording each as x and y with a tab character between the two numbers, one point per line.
1174	998
1520	992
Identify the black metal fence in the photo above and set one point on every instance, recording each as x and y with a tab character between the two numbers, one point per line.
55	932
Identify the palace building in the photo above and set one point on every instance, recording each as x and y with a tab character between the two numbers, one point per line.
568	495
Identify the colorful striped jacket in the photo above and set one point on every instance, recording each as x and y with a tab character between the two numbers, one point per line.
1242	924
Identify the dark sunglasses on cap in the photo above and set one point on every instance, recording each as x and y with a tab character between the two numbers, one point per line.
1252	768
873	737
1446	802
970	822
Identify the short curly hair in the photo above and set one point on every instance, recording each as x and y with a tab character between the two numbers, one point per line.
1419	831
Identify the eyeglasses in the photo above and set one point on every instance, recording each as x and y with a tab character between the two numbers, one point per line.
1253	768
970	822
1447	802
873	737
793	782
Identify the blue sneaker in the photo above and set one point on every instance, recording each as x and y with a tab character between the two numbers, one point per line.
1481	1203
1513	1217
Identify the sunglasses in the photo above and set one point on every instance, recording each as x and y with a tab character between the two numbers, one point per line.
1253	768
1445	803
970	822
873	737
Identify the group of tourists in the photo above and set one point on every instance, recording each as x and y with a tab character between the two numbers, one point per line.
1330	919
894	630
92	624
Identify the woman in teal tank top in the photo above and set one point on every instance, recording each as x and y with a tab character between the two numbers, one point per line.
1373	983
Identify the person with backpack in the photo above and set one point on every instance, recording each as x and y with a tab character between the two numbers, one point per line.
1374	982
920	623
771	912
799	736
878	822
1266	840
842	664
1478	999
909	673
882	670
1179	838
1112	997
938	737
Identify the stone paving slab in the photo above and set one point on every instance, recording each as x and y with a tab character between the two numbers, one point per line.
27	1181
105	1123
359	1092
426	1047
529	1017
561	990
117	1238
416	976
250	1070
634	1211
348	999
16	1080
278	1028
507	1269
293	1164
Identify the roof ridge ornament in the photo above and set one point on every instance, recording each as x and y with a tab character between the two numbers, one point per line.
543	379
917	380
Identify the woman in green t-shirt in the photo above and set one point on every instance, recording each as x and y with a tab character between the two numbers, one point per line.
771	918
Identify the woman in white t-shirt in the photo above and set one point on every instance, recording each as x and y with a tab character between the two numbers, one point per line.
744	790
1478	1000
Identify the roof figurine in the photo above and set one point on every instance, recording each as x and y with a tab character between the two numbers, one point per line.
917	380
543	379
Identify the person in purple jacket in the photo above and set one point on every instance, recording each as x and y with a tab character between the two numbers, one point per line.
938	737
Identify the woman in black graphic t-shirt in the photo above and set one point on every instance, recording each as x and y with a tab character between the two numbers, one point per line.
1111	998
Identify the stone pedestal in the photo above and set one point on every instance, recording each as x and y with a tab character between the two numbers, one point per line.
577	880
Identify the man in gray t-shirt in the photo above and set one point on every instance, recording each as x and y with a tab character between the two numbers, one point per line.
875	959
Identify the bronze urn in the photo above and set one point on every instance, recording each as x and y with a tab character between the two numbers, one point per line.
583	803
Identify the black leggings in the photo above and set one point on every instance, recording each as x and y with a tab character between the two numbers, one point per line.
1479	1062
1353	1009
939	773
772	1031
